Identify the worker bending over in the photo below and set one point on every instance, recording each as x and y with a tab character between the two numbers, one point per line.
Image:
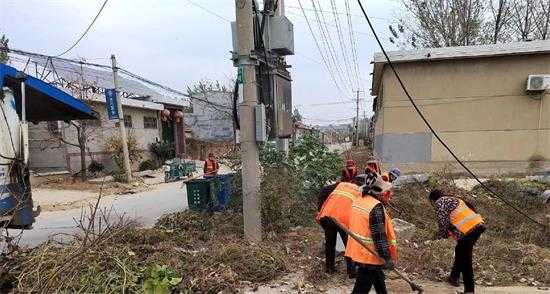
211	166
458	219
370	220
338	205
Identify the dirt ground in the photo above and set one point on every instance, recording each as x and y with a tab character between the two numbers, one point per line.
62	193
295	284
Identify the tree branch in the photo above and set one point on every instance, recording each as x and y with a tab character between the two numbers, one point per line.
69	143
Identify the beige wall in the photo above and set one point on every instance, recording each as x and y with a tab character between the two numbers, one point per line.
99	135
48	154
479	106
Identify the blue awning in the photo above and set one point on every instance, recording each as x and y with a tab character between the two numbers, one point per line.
44	101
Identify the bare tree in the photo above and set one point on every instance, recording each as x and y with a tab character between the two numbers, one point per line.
4	57
443	23
83	129
439	23
542	20
523	18
501	14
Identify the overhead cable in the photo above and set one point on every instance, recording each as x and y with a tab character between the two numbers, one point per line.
216	106
432	130
325	61
353	42
327	38
86	31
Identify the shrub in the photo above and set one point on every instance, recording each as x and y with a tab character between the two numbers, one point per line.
95	167
162	151
147	165
308	167
114	145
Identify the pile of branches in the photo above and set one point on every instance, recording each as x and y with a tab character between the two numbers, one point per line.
511	251
186	251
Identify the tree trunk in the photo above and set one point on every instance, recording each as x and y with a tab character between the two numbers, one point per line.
82	146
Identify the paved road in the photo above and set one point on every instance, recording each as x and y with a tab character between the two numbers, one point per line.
144	207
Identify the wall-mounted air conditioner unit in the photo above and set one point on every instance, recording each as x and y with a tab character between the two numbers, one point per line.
538	83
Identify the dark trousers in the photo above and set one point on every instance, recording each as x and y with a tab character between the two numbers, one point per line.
463	259
370	276
331	231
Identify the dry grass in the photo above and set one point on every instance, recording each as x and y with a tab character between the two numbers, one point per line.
208	251
512	248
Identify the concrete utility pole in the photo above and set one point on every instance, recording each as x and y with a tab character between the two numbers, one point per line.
249	148
123	135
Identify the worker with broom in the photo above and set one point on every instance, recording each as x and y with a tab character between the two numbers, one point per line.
338	205
371	223
458	219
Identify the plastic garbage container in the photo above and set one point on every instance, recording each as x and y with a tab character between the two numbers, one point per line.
224	189
200	194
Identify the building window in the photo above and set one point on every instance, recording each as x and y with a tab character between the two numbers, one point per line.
149	122
128	121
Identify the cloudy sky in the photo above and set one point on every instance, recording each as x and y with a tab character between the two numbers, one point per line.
179	42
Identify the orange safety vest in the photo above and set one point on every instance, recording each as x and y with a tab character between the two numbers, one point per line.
210	166
359	224
464	219
338	203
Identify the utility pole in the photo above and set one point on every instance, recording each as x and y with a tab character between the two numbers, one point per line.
123	135
357	121
249	148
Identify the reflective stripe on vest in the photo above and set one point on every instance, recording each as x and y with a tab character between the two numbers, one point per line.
345	194
338	204
359	224
464	219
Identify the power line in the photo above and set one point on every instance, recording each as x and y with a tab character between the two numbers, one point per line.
341	13
327	38
122	70
436	135
209	11
86	31
330	103
340	37
353	45
327	66
38	55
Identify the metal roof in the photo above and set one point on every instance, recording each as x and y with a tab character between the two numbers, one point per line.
453	53
44	101
104	79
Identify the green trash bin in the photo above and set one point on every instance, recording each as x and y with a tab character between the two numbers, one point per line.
201	194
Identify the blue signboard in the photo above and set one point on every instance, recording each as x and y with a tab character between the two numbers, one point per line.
111	104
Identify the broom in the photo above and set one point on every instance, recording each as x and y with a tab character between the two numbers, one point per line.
414	286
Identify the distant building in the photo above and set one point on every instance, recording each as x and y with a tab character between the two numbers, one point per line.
336	134
149	116
49	153
301	130
475	97
210	123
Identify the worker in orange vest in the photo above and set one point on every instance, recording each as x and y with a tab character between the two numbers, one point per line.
458	219
338	205
211	166
370	220
373	166
349	171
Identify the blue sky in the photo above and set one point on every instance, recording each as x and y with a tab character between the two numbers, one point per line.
177	43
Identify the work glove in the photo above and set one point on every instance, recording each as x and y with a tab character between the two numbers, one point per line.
388	264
